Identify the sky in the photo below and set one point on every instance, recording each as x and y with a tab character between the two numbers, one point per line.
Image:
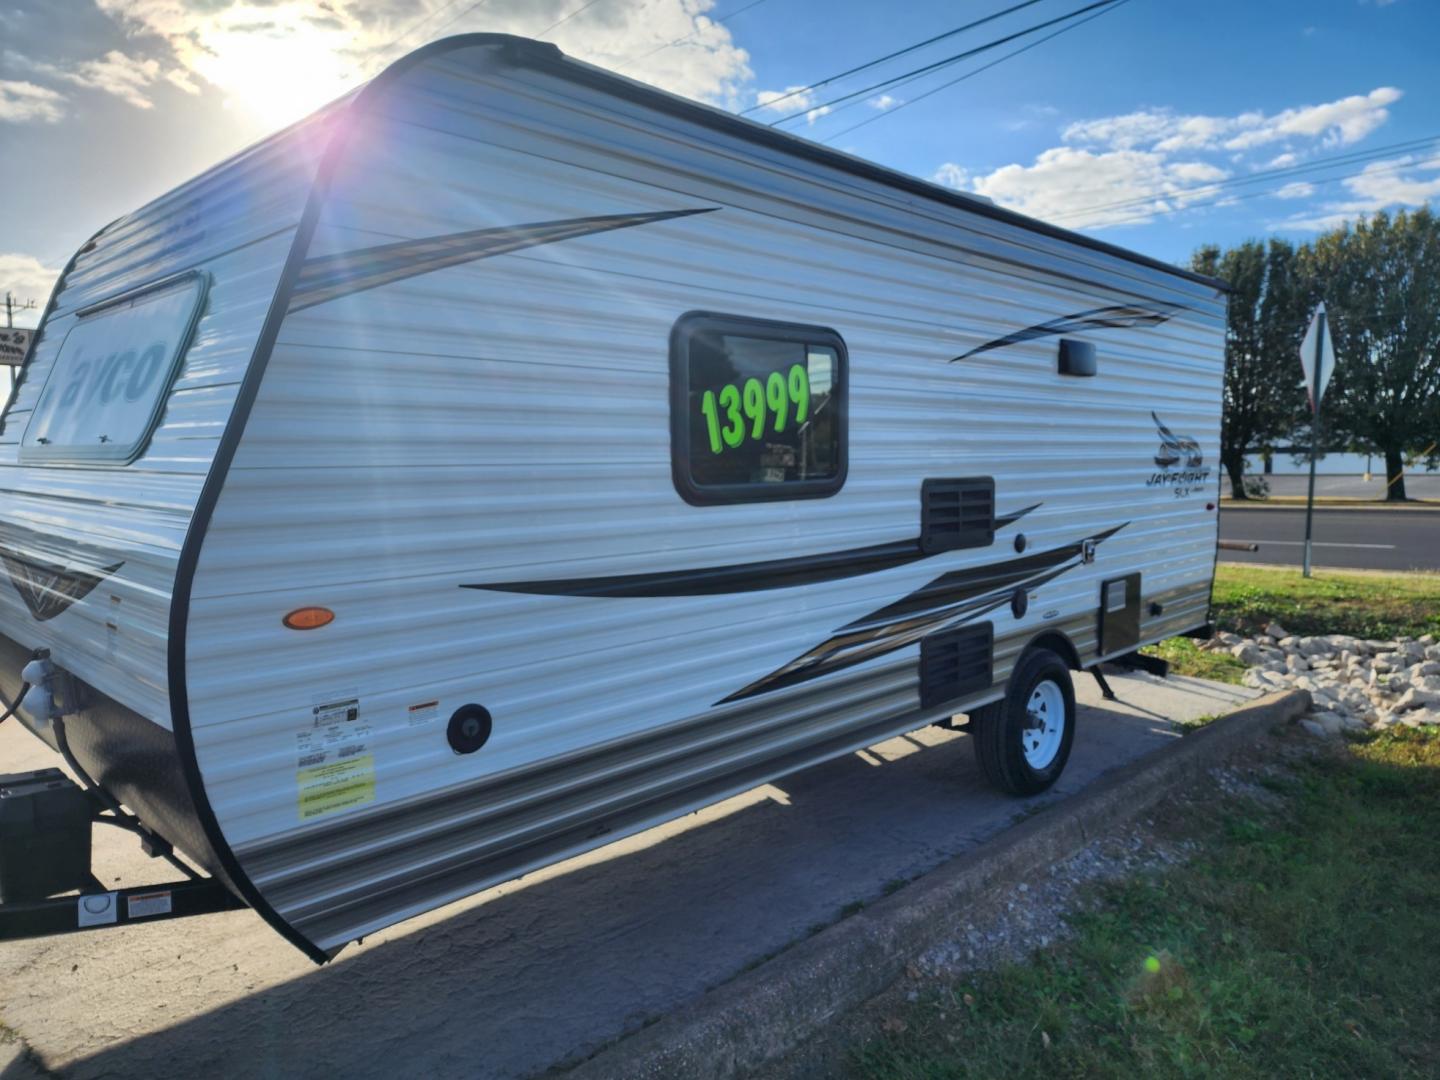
1152	124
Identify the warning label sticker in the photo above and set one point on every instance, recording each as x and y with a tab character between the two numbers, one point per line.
147	905
341	785
422	712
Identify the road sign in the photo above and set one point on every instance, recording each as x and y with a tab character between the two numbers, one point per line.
1317	348
13	343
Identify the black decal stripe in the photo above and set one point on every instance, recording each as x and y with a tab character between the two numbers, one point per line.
327	277
1115	317
960	585
736	577
49	588
1010	519
847	650
948	601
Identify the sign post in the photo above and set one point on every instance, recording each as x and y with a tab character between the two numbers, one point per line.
1317	359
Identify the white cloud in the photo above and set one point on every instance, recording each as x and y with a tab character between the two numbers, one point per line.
29	279
953	176
22	102
280	59
1129	168
1339	122
883	102
792	100
121	75
1079	185
1382	185
127	77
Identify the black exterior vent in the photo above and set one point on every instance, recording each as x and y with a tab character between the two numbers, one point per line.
957	513
956	663
1077	358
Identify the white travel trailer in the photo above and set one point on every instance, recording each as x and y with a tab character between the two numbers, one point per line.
512	457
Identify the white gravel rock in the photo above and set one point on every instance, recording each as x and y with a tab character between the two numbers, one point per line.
1416	698
1354	683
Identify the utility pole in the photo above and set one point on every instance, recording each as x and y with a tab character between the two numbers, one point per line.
11	307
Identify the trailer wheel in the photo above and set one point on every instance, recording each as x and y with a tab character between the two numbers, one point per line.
1022	742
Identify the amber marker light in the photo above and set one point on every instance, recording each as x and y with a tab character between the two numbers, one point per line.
309	618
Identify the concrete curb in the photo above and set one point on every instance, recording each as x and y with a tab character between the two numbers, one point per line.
765	1013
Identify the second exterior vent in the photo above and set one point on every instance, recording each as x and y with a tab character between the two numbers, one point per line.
957	513
956	663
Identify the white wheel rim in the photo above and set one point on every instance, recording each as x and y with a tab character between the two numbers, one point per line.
1045	724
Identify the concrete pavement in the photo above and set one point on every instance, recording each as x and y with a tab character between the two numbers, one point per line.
1369	539
548	969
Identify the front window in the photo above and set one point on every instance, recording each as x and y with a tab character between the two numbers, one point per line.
107	387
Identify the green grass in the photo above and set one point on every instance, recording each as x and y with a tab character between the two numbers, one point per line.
1247	599
1298	941
1187	658
1331	602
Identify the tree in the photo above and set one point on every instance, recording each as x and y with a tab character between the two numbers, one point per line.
1381	284
1262	332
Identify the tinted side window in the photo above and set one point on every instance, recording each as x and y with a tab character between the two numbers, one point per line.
758	409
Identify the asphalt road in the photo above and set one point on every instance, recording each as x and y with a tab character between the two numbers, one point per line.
548	969
1352	539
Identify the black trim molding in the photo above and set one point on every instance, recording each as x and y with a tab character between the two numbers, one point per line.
1114	317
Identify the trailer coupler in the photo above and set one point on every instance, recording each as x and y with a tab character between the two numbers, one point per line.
45	825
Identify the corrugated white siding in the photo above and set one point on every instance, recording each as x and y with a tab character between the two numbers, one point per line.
236	223
509	419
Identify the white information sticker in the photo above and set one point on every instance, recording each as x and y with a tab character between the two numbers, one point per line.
98	909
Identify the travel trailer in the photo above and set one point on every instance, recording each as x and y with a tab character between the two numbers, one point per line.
512	457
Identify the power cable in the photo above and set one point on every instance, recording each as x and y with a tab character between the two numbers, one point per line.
688	37
1288	172
561	22
889	56
1156	212
947	61
969	74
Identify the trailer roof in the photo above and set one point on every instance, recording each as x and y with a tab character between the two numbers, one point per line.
543	56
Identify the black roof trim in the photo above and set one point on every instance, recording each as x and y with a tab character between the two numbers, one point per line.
543	56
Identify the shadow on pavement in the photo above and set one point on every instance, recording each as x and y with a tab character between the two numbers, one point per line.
551	968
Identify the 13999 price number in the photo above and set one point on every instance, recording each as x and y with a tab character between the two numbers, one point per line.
738	412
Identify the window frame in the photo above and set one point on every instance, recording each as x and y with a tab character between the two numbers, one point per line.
684	329
119	455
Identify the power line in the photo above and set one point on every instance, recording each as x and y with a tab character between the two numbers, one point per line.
977	50
561	22
889	56
400	40
466	11
1289	171
1226	198
688	37
970	74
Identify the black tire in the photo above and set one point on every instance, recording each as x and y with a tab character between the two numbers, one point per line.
999	730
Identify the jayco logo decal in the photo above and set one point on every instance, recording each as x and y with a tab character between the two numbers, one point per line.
1180	461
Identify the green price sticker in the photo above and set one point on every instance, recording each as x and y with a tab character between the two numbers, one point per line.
749	410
